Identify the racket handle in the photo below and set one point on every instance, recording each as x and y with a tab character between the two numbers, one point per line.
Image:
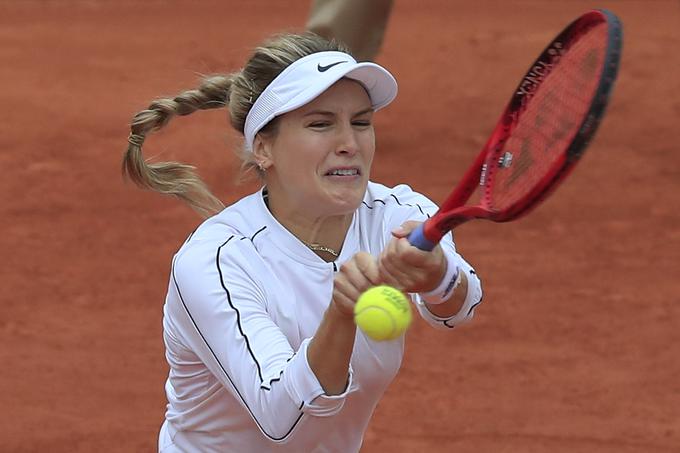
417	239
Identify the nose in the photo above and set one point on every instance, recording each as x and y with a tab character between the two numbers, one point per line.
347	141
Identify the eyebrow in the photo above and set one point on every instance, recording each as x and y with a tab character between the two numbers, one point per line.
329	113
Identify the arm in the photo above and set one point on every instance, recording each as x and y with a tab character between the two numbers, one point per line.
443	285
448	287
219	314
330	350
218	305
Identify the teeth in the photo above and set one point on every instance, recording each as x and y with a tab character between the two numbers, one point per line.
344	172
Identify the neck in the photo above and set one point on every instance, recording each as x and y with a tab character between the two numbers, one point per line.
322	234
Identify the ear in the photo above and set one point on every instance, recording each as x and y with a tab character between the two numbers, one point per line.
262	150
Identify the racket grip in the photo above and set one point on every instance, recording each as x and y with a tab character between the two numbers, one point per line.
417	239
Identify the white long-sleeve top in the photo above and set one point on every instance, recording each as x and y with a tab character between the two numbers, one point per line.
245	298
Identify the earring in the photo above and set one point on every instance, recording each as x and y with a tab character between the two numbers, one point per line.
260	165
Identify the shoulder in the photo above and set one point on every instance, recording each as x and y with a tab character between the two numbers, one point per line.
208	268
224	241
226	254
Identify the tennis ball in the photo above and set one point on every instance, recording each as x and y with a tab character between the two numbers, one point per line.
383	313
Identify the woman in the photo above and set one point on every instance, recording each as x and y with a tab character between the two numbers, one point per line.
263	351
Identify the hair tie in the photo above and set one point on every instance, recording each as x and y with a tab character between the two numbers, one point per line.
136	139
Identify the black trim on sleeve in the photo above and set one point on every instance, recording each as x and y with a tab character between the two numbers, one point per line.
276	379
238	314
409	205
472	272
271	381
377	200
256	233
252	238
447	325
231	381
374	201
473	307
468	314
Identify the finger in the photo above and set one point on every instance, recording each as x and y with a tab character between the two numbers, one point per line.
403	278
389	253
345	286
390	276
351	283
390	259
368	266
413	261
410	266
398	256
354	276
412	256
343	302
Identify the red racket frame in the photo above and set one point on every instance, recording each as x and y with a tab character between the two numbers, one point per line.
453	212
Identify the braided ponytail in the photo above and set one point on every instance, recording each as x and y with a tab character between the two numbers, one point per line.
236	91
174	178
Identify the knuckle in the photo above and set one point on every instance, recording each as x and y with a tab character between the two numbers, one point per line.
346	267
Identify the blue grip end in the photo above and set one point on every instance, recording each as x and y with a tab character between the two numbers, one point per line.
417	239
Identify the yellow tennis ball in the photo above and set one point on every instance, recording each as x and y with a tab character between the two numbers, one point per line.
383	313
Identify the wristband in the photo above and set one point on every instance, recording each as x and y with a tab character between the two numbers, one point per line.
449	283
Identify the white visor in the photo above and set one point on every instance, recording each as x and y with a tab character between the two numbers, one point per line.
306	78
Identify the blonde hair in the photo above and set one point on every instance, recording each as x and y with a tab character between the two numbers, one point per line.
237	91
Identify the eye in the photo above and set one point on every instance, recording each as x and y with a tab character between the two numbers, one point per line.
319	124
362	123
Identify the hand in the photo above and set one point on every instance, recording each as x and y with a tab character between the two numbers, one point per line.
354	277
408	268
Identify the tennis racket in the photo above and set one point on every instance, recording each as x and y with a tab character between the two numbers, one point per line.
543	131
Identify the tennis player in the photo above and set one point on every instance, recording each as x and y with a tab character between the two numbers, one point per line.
258	323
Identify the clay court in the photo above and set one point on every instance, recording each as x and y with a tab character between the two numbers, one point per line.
577	346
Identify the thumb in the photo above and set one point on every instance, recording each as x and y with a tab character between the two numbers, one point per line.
405	229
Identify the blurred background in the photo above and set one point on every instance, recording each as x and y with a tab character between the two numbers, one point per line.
577	346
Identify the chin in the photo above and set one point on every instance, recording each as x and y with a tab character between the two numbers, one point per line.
346	203
344	200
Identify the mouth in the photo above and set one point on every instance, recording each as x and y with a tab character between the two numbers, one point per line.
344	172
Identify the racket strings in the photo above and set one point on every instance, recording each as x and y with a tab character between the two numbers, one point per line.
552	116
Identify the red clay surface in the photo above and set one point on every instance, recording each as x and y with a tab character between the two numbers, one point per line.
577	346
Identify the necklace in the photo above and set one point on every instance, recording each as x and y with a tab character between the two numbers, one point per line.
313	247
321	248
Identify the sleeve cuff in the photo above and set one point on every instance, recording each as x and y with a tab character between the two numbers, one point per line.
303	386
465	314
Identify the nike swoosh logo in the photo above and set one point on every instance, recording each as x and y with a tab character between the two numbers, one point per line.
326	68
